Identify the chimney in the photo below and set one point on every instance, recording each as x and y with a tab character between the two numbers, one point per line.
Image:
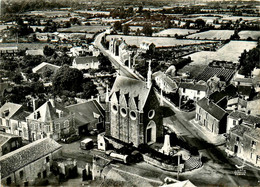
33	103
166	146
149	76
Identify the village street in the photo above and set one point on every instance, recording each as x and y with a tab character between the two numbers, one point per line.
217	168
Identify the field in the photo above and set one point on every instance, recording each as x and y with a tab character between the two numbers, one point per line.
51	13
92	12
213	35
245	34
87	29
158	41
245	18
23	46
229	52
174	31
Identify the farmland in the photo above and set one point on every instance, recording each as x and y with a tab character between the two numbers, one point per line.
229	52
158	41
86	29
23	46
174	31
245	34
213	35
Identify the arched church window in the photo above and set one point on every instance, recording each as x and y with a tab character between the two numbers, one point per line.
114	108
151	114
123	112
133	115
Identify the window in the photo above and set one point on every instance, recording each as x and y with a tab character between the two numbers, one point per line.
57	126
151	114
207	115
199	110
66	123
133	115
123	112
114	108
183	90
44	174
237	139
198	92
253	144
47	159
21	174
234	122
39	175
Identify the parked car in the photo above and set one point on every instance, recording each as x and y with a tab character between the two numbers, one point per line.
71	138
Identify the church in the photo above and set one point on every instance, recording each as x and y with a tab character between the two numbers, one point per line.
133	112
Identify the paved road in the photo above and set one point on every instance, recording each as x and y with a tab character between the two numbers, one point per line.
218	169
122	70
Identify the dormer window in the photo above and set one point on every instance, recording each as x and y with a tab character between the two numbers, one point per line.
6	113
253	144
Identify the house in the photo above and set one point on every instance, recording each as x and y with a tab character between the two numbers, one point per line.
244	137
164	82
238	118
133	113
193	91
34	52
29	163
146	46
236	104
245	91
89	62
12	120
88	116
79	51
211	116
8	50
50	120
44	66
9	142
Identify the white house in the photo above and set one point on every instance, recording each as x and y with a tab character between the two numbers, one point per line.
89	62
193	91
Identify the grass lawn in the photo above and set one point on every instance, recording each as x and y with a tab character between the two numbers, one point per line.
245	34
174	31
213	35
88	29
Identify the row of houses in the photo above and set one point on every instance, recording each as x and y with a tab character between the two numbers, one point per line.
51	119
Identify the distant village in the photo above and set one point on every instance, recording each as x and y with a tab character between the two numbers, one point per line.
131	94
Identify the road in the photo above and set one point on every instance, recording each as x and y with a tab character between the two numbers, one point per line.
217	169
122	69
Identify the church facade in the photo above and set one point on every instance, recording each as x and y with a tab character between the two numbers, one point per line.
133	112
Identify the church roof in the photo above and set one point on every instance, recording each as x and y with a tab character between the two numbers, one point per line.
132	89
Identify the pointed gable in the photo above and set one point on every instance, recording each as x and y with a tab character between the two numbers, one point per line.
131	88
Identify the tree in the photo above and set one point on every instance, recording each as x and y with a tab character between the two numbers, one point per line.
147	30
89	89
126	29
200	23
17	78
118	26
67	78
48	51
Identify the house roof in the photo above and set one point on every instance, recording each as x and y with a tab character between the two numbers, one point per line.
230	91
48	112
21	115
242	130
246	118
35	52
131	88
86	60
9	109
5	136
165	79
44	65
192	86
237	100
25	155
244	90
86	112
212	108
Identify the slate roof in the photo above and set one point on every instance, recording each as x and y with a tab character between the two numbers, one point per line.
242	130
230	91
192	86
244	90
45	65
5	136
86	60
246	118
166	79
12	108
133	88
25	155
48	112
212	108
85	112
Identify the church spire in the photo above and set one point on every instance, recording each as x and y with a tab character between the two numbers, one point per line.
149	76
